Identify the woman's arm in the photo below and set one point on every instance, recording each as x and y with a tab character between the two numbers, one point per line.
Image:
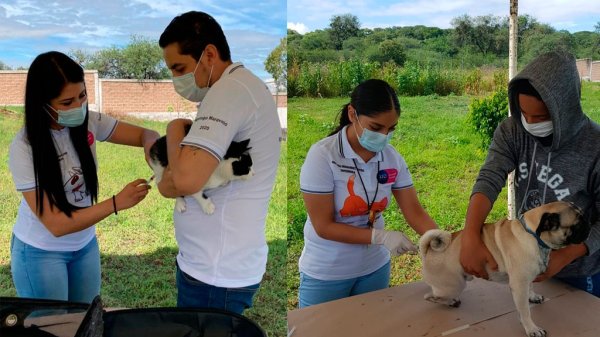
59	224
320	208
413	212
133	135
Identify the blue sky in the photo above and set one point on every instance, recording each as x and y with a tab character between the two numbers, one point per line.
29	27
309	15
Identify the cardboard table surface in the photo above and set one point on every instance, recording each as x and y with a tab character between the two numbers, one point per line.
487	309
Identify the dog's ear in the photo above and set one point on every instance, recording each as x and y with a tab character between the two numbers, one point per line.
548	222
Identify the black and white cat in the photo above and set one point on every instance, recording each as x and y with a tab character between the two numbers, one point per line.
236	165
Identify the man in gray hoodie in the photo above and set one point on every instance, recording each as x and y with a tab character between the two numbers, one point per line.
555	150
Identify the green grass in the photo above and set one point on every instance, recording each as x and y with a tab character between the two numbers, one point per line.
138	247
441	151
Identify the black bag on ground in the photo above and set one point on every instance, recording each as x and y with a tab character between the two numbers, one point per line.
30	317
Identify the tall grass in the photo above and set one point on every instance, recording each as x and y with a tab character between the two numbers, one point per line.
337	79
442	153
138	246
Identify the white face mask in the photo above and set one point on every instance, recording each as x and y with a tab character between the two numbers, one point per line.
185	85
541	129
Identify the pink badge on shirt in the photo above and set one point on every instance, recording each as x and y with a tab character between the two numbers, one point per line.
90	138
387	176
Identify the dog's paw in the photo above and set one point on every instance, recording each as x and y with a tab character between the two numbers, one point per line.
536	298
537	332
455	303
208	207
180	205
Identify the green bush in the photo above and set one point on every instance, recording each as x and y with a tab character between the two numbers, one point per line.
486	113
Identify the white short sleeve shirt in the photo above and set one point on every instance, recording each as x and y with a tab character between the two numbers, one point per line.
27	227
228	248
332	167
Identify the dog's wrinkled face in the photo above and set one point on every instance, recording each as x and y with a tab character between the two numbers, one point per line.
560	224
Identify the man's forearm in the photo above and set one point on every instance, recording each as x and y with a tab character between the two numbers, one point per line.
166	187
479	208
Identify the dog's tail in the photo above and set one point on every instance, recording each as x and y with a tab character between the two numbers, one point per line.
435	239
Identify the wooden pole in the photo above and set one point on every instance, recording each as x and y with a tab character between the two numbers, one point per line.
512	71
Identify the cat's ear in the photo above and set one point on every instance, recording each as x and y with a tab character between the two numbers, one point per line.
244	143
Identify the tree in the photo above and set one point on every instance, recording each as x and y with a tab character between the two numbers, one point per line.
80	56
141	59
388	51
108	62
480	32
276	65
4	66
596	48
318	39
538	44
342	27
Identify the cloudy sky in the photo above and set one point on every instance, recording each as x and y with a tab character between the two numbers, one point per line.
30	27
309	15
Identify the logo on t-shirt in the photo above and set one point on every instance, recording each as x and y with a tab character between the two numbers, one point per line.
90	138
387	176
355	205
75	185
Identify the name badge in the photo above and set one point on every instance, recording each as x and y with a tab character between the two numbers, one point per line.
387	176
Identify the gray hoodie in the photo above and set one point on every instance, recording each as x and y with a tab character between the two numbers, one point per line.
569	164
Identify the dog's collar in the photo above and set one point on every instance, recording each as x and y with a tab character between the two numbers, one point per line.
541	243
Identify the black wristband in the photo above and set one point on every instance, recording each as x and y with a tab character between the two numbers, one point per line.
114	205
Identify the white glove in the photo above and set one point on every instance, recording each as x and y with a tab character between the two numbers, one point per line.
396	242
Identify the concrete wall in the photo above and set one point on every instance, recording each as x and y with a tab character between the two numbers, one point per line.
114	96
133	96
589	70
12	87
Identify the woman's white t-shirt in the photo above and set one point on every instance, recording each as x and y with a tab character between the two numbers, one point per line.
331	168
28	227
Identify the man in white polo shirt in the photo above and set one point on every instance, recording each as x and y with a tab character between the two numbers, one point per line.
222	256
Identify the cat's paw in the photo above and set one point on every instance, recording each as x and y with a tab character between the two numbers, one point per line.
180	205
208	207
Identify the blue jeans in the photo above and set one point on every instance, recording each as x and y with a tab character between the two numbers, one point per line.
194	293
590	284
313	291
67	276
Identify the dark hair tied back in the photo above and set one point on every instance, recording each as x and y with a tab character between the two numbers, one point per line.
369	98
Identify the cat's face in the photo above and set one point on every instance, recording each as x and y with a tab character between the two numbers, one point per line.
158	152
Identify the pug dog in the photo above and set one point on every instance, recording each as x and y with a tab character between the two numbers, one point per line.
236	165
521	248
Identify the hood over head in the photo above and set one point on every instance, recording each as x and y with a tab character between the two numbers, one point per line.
555	77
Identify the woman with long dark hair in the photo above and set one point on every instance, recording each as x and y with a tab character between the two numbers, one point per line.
54	252
346	182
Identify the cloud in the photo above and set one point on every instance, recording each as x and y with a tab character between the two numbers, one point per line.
20	8
30	27
573	15
298	27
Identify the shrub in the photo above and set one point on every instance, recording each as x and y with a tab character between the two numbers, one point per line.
485	115
474	82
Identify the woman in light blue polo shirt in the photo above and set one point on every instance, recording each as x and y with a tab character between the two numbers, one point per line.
346	182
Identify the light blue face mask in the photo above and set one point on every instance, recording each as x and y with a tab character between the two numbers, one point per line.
371	140
72	117
185	85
